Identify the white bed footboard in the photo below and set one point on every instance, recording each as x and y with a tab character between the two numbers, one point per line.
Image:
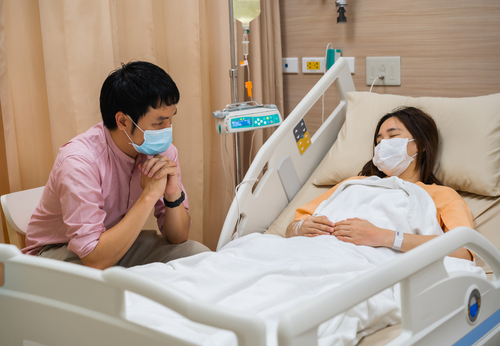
48	302
434	303
258	209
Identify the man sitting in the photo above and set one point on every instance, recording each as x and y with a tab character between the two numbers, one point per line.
105	182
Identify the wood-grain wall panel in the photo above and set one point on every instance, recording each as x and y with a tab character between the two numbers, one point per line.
448	48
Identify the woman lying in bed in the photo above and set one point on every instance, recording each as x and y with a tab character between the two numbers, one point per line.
406	146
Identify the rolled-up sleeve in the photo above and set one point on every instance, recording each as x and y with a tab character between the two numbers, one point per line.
82	204
456	214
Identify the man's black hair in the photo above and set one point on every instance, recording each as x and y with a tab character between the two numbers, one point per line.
133	88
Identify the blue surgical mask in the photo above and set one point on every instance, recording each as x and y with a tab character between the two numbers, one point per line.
155	141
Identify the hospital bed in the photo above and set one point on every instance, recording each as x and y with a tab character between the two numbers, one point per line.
46	302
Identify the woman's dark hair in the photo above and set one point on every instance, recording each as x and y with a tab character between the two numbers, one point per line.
424	130
133	88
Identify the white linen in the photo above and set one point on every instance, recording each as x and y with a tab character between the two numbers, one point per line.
267	275
389	203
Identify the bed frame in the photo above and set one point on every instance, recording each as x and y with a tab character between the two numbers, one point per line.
47	302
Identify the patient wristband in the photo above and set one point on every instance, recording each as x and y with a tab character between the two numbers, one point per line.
398	240
297	225
176	203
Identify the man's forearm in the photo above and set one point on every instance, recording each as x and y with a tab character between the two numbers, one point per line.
176	224
116	241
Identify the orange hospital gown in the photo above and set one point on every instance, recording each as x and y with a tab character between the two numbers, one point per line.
452	210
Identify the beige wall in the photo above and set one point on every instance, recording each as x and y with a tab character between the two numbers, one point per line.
448	48
4	181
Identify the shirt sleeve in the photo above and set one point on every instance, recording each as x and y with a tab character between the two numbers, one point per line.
456	213
82	202
308	209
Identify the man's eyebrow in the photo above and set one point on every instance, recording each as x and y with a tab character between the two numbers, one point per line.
164	118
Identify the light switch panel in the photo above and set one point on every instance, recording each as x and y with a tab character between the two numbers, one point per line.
387	66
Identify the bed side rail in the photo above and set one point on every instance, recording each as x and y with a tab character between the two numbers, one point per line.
87	306
430	298
260	208
250	330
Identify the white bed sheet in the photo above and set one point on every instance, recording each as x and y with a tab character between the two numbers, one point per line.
267	275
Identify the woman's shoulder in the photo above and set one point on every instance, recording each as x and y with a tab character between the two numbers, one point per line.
442	191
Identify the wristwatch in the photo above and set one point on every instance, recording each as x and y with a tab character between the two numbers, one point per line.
174	203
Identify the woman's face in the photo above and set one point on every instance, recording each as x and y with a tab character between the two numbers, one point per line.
394	128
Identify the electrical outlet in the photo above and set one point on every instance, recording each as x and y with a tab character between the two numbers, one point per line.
387	66
313	65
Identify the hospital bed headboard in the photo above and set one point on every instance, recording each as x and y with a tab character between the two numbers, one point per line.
270	195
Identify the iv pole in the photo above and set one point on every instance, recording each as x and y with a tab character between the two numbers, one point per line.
233	73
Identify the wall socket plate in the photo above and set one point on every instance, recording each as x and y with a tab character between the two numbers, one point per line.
290	65
351	61
313	65
387	66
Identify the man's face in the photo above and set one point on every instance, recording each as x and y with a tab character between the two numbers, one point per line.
155	119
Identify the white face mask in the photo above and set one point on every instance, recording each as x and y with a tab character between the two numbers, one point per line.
391	156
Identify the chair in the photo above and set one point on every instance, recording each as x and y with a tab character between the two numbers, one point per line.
18	208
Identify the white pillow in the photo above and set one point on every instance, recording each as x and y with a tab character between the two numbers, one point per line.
469	139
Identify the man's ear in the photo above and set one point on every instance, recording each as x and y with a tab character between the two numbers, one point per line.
121	121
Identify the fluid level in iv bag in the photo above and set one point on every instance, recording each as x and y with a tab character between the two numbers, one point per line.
246	11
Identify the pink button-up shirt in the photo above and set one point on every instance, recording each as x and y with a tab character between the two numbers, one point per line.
91	187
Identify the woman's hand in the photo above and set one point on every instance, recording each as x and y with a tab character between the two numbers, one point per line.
314	226
362	232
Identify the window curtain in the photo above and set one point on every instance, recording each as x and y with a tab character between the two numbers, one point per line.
54	56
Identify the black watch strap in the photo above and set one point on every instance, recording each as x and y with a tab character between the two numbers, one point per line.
174	203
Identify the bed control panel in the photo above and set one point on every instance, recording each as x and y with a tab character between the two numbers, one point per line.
302	136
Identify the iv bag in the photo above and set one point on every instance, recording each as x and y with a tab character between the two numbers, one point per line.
245	11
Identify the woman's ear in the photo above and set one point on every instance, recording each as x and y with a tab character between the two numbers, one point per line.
121	120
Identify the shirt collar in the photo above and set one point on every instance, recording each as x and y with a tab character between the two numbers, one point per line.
117	151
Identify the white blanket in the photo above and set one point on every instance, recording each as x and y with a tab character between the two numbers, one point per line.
390	203
268	275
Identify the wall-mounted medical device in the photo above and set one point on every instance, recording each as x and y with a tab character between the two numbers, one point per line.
341	4
246	116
